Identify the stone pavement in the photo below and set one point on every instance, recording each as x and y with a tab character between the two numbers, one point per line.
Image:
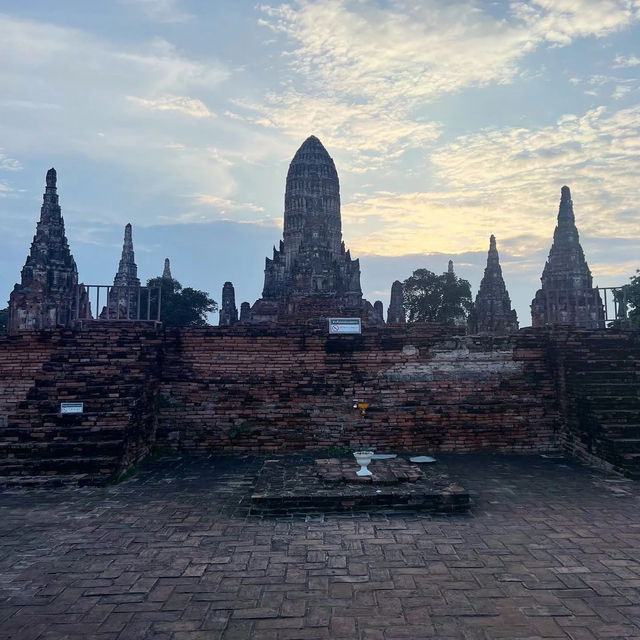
549	549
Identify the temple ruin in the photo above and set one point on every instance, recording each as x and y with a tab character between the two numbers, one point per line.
228	309
396	312
48	294
567	295
311	274
492	313
123	296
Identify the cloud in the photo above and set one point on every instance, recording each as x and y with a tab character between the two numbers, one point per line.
368	136
224	204
620	91
160	10
622	62
189	106
361	74
9	164
507	182
93	100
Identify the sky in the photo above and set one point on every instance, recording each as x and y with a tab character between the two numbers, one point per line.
447	121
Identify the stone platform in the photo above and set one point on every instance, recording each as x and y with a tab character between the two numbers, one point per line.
301	484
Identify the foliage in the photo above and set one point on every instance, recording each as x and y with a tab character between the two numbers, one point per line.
631	293
182	307
4	320
441	298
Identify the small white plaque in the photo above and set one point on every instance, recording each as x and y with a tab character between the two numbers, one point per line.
344	325
71	407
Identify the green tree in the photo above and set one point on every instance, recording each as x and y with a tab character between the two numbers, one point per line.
4	320
181	307
441	298
630	294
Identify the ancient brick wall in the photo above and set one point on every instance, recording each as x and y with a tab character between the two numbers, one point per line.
285	388
244	388
112	368
598	378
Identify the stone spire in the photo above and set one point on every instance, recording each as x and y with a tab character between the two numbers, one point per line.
311	273
492	313
127	274
48	294
395	312
245	312
567	295
378	309
166	272
450	267
228	309
123	296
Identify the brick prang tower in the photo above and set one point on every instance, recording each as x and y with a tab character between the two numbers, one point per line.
567	295
48	294
311	275
123	296
228	310
312	259
492	313
396	312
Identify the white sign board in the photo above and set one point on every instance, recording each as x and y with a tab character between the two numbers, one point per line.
71	407
344	325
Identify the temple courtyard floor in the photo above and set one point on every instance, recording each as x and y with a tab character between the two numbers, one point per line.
548	549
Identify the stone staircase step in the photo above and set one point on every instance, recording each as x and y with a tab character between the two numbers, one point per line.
616	418
102	465
61	448
20	435
47	481
619	430
625	445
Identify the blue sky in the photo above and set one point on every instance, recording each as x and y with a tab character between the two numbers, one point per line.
448	121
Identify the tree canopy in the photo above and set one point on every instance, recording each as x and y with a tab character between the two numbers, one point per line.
182	307
441	298
631	294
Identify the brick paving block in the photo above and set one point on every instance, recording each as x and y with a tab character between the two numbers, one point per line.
499	583
580	633
238	630
342	627
115	622
293	608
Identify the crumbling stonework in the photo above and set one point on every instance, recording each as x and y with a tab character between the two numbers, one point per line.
378	310
311	263
228	309
395	312
492	313
292	387
245	312
112	369
248	388
567	295
123	296
166	272
48	294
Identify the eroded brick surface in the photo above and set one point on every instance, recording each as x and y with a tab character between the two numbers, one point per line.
549	550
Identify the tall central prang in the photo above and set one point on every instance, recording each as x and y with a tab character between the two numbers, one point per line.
312	259
311	274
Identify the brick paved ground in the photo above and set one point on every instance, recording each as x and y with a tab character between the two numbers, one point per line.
549	550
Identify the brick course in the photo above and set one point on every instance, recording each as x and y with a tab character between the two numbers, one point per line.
293	388
251	388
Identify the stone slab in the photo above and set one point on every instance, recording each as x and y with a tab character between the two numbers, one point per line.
289	484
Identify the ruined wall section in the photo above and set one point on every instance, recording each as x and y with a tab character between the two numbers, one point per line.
293	388
598	378
113	369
